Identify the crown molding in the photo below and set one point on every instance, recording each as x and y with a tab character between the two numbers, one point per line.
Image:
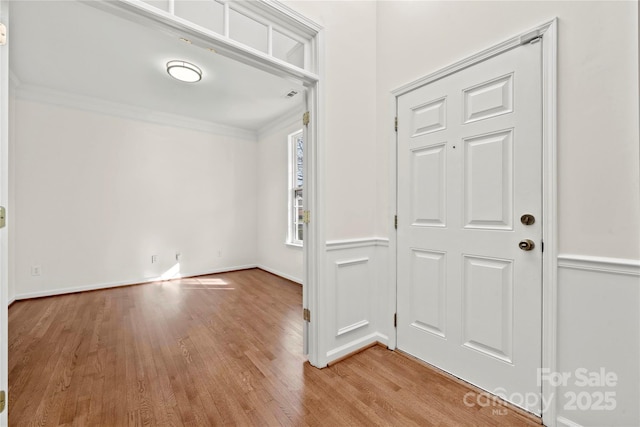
96	105
289	119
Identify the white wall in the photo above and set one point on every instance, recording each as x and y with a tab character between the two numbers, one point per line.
274	254
96	195
348	142
349	129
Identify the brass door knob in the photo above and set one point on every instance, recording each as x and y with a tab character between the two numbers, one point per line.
526	245
527	219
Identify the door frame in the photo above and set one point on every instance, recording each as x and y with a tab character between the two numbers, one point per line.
313	248
147	15
549	33
4	201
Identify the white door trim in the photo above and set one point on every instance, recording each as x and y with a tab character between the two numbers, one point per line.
4	201
314	254
549	33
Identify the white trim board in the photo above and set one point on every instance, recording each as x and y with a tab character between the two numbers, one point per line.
353	346
602	264
280	274
95	105
335	245
98	286
549	33
565	422
133	282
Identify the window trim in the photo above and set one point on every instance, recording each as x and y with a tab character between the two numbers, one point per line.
292	188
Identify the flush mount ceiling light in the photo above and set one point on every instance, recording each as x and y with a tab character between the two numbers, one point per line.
184	71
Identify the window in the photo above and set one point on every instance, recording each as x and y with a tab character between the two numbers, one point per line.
296	188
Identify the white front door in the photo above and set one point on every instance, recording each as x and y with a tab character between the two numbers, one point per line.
469	167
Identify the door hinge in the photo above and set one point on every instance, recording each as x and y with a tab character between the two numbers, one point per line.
542	245
3	400
305	118
3	217
306	314
396	124
395	320
531	38
395	222
306	217
3	35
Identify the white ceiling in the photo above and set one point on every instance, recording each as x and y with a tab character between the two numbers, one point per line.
74	47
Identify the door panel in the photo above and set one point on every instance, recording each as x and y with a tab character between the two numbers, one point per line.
488	181
487	314
428	288
428	165
469	165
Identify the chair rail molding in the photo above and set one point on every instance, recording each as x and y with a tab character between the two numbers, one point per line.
602	264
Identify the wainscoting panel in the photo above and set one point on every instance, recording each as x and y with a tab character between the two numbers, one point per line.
354	285
598	346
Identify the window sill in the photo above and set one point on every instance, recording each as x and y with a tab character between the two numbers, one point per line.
294	245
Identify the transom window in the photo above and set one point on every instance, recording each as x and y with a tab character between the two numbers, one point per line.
246	23
296	188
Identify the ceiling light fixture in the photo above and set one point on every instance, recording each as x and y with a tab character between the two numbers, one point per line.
184	71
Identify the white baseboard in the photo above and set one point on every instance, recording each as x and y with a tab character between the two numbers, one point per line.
97	286
565	422
279	273
383	339
11	301
352	347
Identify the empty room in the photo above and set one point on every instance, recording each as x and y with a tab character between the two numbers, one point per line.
319	213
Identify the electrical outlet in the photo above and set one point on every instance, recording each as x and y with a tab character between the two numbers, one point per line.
178	256
36	270
154	259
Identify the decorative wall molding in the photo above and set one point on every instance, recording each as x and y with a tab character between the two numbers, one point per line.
347	262
602	264
356	285
96	105
352	294
278	273
335	245
98	286
357	325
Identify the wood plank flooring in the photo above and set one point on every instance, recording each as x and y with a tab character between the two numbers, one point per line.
213	350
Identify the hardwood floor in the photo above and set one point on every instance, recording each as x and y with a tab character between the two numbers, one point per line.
213	350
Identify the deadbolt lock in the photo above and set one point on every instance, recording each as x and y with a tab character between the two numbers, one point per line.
526	245
527	219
